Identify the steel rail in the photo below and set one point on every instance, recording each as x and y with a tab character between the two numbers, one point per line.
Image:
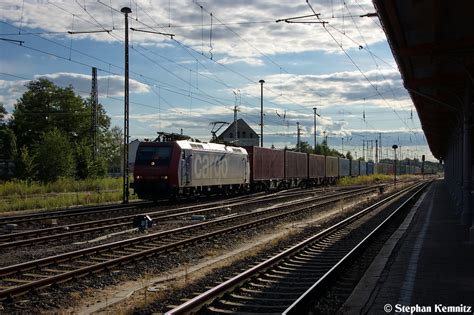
122	246
57	233
230	285
99	209
298	306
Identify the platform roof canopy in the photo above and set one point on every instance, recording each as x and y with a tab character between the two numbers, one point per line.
433	44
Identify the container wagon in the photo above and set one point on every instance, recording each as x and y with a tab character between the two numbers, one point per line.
316	169
266	167
332	169
370	168
355	170
362	168
296	168
344	167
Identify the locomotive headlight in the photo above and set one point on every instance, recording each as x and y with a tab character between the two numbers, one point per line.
164	177
138	177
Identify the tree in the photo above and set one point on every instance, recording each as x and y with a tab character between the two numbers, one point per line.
45	106
349	155
3	113
111	147
8	146
83	160
305	147
25	167
54	156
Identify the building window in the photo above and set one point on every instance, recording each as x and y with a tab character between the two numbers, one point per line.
238	134
244	134
251	135
230	135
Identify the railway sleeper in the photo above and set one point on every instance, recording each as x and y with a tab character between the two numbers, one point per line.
298	265
291	285
292	269
82	262
247	307
34	275
56	271
99	259
112	255
269	299
13	280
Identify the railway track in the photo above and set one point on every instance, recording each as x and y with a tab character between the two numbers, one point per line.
288	282
91	228
22	278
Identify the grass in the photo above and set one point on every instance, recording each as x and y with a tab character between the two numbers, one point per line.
369	179
22	195
63	185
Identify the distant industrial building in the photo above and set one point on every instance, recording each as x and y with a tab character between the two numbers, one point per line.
246	136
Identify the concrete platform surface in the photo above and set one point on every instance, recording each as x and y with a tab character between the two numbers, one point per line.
427	266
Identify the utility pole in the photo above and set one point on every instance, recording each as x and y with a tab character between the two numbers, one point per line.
363	149
380	145
342	145
236	129
395	147
94	103
126	192
315	114
261	112
298	136
376	151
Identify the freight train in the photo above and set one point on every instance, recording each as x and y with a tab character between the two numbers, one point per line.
185	168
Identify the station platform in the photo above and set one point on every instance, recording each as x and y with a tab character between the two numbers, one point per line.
427	266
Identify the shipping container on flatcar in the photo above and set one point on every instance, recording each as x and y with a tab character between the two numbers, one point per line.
417	170
344	167
388	169
370	168
362	168
267	167
406	169
316	168
378	168
296	167
332	169
355	170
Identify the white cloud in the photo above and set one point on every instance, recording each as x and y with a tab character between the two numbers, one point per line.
348	87
234	33
111	85
108	85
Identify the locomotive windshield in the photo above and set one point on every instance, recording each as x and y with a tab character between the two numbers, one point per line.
153	156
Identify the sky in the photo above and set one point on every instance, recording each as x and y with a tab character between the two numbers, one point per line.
337	62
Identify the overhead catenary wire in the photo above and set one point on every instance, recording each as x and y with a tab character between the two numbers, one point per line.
141	15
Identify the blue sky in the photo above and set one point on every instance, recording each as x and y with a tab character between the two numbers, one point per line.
344	68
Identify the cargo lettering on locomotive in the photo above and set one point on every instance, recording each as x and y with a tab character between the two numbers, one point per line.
210	167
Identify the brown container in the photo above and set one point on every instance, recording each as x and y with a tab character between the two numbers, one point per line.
266	164
332	166
296	165
316	166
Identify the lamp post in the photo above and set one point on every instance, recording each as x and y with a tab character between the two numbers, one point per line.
298	149
261	112
126	11
395	147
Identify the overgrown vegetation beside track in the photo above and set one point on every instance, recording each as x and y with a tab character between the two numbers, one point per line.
369	179
21	195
